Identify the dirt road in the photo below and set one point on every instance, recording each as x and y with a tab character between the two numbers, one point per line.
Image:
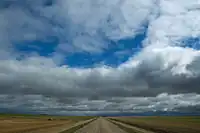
100	125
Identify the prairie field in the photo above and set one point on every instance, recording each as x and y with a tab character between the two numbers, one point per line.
163	124
89	124
37	123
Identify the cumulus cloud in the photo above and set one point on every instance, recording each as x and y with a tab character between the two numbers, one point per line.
162	71
176	20
84	29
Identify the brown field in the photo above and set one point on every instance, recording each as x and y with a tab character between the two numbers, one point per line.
163	124
37	124
83	124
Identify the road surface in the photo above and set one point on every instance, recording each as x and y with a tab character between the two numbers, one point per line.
100	125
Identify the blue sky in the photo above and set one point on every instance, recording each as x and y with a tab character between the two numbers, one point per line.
42	47
118	51
191	42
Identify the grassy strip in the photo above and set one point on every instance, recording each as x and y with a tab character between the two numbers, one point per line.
144	127
73	129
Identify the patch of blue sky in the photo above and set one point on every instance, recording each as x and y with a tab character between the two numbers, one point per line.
41	47
191	42
117	53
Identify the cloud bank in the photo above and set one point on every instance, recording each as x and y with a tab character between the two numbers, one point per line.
163	76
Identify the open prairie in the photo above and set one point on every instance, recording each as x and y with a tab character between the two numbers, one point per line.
161	124
84	124
37	124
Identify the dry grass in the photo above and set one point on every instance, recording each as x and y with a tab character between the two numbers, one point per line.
164	124
20	123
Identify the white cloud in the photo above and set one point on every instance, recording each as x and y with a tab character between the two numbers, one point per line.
177	20
84	29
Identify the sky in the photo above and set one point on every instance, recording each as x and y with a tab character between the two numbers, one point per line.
99	56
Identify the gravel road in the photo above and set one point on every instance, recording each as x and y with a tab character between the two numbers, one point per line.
100	125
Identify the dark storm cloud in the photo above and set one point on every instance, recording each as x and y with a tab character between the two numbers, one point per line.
40	104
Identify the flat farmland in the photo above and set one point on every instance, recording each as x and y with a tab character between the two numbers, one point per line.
83	124
37	124
160	124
